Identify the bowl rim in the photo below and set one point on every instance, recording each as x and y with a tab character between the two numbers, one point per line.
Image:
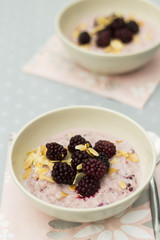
80	210
100	54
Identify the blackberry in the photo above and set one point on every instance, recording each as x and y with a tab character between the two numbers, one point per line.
104	158
105	146
118	23
62	173
94	168
78	157
84	38
88	186
132	26
76	140
103	38
55	151
107	28
124	35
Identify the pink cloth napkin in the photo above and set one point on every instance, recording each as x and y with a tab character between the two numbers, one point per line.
52	62
19	219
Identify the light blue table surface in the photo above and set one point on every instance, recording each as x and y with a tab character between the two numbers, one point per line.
25	25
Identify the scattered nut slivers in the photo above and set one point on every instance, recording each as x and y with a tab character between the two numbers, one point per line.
111	33
80	166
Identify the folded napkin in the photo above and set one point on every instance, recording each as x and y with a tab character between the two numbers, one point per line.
19	219
52	62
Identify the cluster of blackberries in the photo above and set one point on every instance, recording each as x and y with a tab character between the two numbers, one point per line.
93	167
117	29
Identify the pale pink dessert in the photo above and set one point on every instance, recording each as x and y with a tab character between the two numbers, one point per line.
145	36
123	178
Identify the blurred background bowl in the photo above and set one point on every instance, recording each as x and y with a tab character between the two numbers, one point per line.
104	63
50	123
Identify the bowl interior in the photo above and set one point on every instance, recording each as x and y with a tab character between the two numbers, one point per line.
75	12
112	122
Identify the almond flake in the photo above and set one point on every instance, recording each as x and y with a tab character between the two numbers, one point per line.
79	167
97	29
38	151
40	171
116	44
92	152
76	33
136	39
78	178
72	187
123	185
43	177
140	23
36	177
80	195
114	161
103	21
44	150
67	160
82	26
112	170
119	141
80	147
132	157
50	165
27	173
29	160
122	153
63	194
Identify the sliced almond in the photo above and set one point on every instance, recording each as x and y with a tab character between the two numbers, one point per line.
92	152
27	173
79	167
136	39
123	185
40	171
78	178
30	159
117	44
43	149
63	194
132	157
72	187
43	177
122	153
119	141
112	170
115	161
68	160
81	147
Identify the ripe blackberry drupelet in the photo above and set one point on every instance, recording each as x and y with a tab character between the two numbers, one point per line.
84	38
105	146
94	168
76	140
88	186
132	26
62	173
124	35
104	158
55	151
78	157
103	38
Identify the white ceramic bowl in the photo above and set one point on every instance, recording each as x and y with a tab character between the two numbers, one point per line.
71	15
48	124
